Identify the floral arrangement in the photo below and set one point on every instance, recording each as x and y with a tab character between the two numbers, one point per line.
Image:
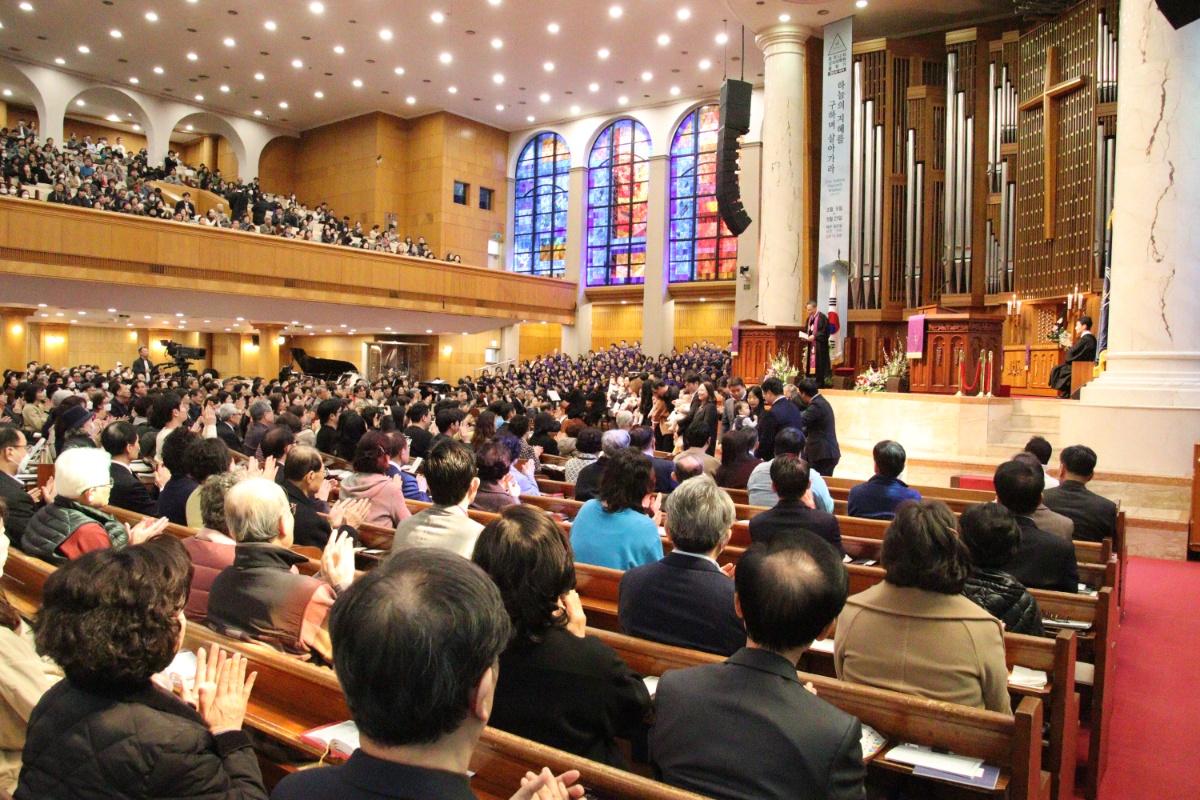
1060	335
781	367
873	380
896	365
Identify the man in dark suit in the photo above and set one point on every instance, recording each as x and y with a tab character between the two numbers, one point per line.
438	620
1095	517
1045	561
642	438
782	415
142	366
21	504
303	475
789	478
186	206
816	344
1084	349
747	728
737	393
120	441
122	401
820	430
686	599
228	418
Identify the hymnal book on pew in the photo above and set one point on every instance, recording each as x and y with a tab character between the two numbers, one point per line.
1029	678
651	682
341	737
917	756
1069	624
872	741
822	646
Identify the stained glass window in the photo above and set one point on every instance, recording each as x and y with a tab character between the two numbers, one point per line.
618	194
700	247
540	216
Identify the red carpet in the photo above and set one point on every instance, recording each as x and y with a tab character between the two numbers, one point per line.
1154	748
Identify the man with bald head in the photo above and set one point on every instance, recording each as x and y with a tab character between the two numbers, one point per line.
260	595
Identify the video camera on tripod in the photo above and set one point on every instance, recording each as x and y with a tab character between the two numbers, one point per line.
181	355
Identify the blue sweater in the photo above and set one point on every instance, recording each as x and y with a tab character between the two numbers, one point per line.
623	540
879	497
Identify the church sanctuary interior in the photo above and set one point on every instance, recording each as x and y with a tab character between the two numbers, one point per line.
630	400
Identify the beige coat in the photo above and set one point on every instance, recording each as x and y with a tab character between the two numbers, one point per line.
939	646
24	678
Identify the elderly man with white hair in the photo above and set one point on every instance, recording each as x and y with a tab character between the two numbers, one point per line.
262	595
587	485
74	524
228	418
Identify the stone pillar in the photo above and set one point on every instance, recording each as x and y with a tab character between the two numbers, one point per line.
577	338
1143	413
14	353
510	343
781	227
268	349
658	309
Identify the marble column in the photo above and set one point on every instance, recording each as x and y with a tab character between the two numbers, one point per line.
1151	389
577	338
781	225
510	343
13	338
658	309
268	349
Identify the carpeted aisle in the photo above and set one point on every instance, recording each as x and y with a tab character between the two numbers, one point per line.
1154	748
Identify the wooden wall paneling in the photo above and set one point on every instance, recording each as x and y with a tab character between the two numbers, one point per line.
539	340
277	166
695	322
612	322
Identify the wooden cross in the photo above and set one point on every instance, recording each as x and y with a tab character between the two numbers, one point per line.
1051	92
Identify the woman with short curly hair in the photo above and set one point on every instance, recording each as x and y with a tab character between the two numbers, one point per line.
112	619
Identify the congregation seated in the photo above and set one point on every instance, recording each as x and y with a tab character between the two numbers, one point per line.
451	472
587	483
120	732
551	662
120	441
695	437
686	468
619	529
914	631
522	472
789	441
73	523
587	451
398	458
1095	517
747	727
1044	561
737	458
544	429
789	480
315	520
879	497
260	595
567	444
641	438
370	481
212	548
993	537
492	464
229	416
440	622
1044	518
328	412
687	598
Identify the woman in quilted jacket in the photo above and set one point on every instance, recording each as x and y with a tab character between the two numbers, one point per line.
113	619
993	537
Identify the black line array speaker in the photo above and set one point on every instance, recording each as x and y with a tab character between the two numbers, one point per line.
1180	12
735	122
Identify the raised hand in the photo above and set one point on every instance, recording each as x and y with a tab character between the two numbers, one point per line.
547	786
572	608
337	560
147	529
161	475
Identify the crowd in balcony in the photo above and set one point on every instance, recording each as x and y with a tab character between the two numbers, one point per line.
111	177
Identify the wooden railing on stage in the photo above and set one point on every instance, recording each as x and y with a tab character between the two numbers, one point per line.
57	241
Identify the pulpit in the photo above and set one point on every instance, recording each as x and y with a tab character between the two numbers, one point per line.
758	343
953	338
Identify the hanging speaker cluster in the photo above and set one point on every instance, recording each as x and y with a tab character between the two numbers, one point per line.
1180	12
735	122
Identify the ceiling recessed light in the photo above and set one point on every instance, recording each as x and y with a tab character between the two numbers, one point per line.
410	100
114	33
593	87
59	61
399	70
683	14
297	63
200	97
224	88
544	97
80	103
553	27
258	112
229	42
438	17
647	75
318	95
574	109
357	83
158	70
151	16
26	7
674	90
499	106
133	81
529	118
664	39
283	104
269	25
497	78
316	8
452	90
705	64
339	49
548	66
429	331
258	76
615	12
386	35
83	48
722	38
192	56
189	127
622	100
602	52
861	3
497	43
785	17
445	58
137	127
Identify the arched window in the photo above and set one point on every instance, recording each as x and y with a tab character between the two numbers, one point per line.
701	248
618	193
540	216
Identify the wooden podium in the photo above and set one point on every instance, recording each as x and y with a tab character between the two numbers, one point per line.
952	337
759	343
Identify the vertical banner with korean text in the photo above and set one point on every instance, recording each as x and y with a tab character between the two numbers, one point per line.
833	252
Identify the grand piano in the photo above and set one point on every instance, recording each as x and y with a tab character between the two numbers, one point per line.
324	368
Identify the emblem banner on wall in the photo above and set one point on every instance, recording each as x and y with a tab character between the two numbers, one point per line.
833	251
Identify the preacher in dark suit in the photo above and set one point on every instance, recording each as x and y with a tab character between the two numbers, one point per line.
1095	517
781	415
789	479
816	344
1084	349
686	600
820	430
747	729
438	620
120	441
1044	561
21	507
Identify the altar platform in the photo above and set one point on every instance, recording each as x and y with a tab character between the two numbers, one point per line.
947	436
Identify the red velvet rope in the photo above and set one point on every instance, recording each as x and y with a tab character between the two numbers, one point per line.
962	380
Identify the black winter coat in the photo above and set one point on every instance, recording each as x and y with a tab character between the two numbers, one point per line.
1004	598
132	743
